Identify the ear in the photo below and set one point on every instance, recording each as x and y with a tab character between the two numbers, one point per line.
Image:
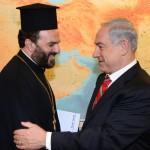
29	45
124	47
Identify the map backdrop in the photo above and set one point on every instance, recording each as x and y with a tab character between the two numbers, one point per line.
73	78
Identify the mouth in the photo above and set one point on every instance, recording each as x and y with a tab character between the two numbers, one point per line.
100	61
51	57
52	54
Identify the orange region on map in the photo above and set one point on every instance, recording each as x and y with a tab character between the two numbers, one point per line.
67	78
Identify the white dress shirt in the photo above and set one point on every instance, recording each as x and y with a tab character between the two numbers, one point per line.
114	76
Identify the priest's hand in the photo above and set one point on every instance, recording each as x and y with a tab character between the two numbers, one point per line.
33	137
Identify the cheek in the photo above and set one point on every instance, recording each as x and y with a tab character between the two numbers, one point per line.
114	60
46	49
110	58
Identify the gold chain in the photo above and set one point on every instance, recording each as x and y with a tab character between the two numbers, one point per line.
49	95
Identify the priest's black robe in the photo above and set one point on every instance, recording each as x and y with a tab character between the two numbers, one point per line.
23	98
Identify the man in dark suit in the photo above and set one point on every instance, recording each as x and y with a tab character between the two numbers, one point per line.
120	118
25	94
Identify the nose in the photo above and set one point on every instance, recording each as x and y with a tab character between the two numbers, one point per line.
56	48
96	52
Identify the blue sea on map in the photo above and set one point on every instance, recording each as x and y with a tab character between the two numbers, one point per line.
78	101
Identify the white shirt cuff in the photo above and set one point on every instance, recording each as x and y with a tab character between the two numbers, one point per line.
48	140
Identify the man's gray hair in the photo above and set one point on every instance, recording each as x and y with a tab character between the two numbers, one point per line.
120	29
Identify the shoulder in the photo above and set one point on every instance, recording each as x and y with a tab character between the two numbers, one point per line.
16	73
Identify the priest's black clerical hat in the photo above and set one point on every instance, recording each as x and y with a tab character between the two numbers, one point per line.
36	17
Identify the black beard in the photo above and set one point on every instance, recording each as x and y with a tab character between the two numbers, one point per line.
41	58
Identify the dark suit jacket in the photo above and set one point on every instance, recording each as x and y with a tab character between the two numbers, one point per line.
120	121
23	98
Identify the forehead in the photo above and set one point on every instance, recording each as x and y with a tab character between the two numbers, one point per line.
102	35
49	35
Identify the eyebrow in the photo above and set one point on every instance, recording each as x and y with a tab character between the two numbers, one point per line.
98	43
53	42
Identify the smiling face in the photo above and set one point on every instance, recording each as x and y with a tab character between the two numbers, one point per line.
46	48
110	56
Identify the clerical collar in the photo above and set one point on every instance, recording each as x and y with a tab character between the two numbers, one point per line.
29	57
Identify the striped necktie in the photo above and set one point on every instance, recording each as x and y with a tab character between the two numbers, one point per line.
102	90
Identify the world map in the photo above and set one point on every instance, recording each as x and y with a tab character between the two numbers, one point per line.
73	78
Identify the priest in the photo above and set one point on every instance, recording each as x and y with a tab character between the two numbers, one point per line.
25	93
